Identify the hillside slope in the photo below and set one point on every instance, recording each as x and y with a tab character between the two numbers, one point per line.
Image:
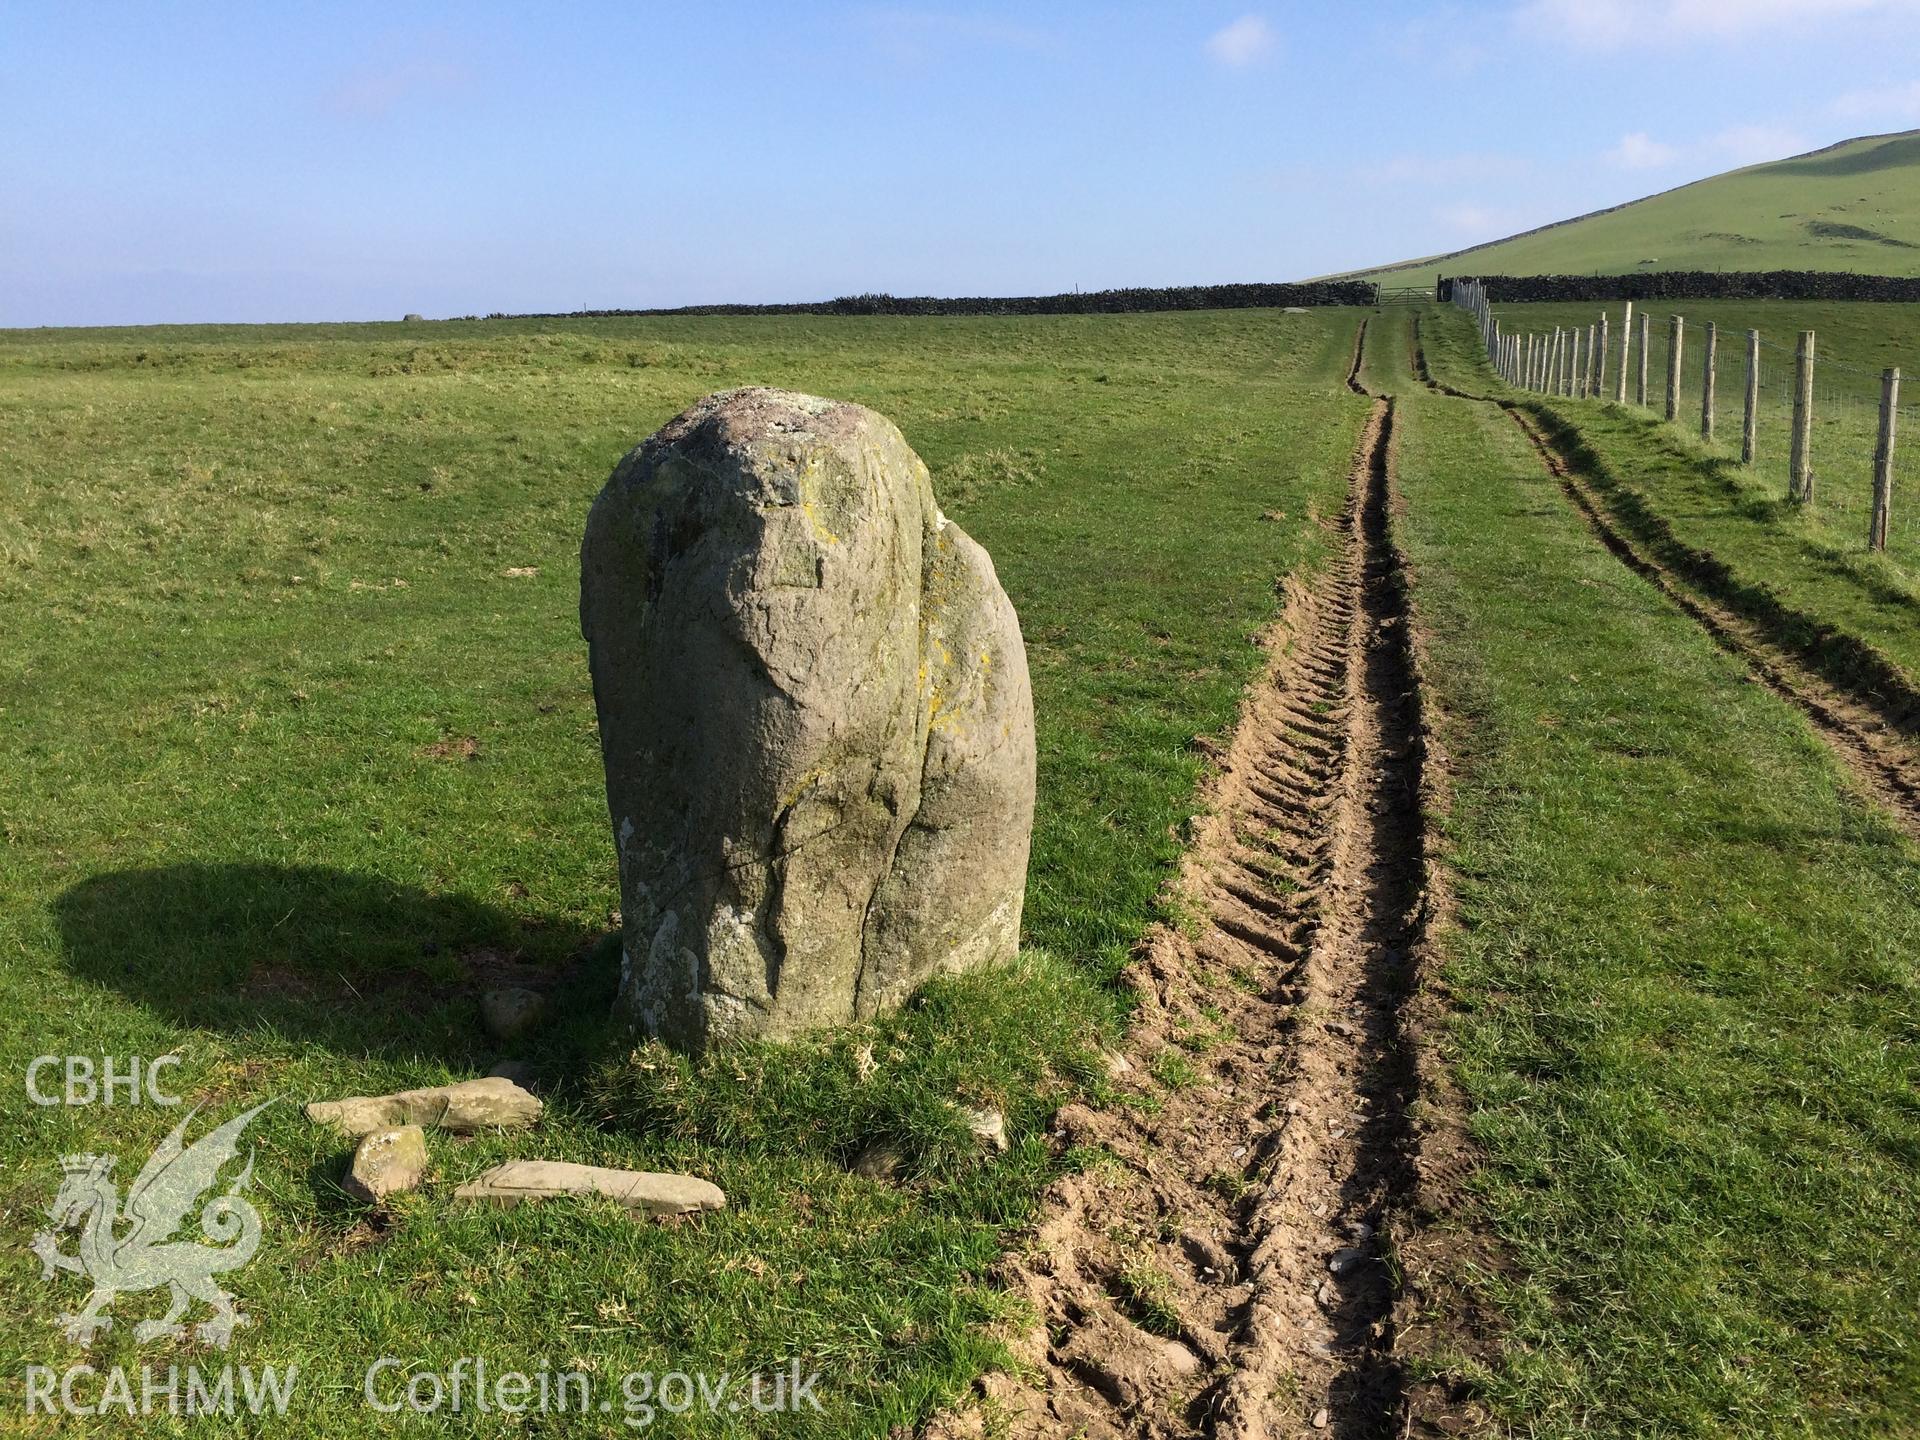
1851	206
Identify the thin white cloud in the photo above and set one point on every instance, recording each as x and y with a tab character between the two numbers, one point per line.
375	91
1247	41
1888	104
1735	146
1750	144
1450	40
918	35
1463	168
1610	24
1472	221
1640	151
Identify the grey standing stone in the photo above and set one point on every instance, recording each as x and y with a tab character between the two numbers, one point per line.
815	717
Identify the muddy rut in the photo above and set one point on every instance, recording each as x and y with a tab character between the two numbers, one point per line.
1220	1268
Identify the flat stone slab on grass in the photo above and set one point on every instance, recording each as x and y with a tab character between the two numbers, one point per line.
518	1181
387	1162
492	1103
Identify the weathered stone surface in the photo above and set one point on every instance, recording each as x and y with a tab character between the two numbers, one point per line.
877	1162
816	721
387	1162
518	1181
510	1013
487	1104
989	1127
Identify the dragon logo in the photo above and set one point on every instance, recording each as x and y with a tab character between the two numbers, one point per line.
147	1256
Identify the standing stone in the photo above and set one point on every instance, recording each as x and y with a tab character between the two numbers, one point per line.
815	717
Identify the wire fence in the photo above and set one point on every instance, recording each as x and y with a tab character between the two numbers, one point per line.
1820	433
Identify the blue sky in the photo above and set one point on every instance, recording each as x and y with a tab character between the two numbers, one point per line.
288	161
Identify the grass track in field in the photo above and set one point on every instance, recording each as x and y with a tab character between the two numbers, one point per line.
1684	969
257	604
1854	343
1788	567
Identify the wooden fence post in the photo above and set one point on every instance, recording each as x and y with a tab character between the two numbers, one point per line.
1553	367
1800	463
1750	422
1576	382
1883	460
1646	350
1600	383
1587	387
1676	338
1626	349
1708	361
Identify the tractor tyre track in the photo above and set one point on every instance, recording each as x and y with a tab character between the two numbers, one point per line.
1867	746
1224	1269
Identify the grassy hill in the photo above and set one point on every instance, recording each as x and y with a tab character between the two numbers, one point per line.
1851	206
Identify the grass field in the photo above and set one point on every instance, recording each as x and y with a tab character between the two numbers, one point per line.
1812	560
1853	206
301	756
1854	343
1686	1005
295	766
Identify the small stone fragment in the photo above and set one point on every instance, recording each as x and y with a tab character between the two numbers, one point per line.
876	1162
471	1105
1320	1418
1344	1260
508	1014
1117	1065
1179	1358
989	1127
518	1181
387	1162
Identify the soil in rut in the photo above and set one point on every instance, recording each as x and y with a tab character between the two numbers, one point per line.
1217	1268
